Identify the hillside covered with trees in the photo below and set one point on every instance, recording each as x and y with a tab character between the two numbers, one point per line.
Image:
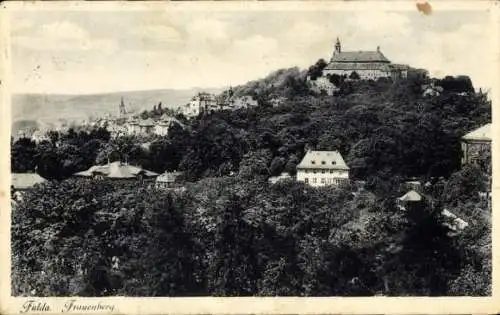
232	233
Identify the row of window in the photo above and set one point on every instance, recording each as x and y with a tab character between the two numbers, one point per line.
322	171
328	181
323	162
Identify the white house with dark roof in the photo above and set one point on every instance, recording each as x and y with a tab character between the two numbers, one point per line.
367	64
476	144
322	168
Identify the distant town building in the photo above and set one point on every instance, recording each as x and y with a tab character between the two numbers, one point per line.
322	168
245	101
169	180
132	126
122	111
202	102
162	127
116	170
476	144
409	200
363	64
236	102
146	126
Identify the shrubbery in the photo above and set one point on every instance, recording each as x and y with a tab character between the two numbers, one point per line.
236	235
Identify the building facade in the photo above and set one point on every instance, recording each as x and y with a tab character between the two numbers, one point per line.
169	180
476	145
364	65
323	168
200	103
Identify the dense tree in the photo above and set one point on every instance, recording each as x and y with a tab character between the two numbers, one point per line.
23	155
232	233
316	70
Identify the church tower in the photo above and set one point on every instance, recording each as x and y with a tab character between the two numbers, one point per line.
122	108
338	48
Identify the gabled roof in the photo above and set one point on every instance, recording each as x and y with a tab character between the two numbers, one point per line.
147	123
26	180
412	195
323	160
481	133
116	170
356	66
359	56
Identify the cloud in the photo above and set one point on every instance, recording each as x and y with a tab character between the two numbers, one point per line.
63	36
158	33
464	51
63	30
206	28
380	23
21	25
185	49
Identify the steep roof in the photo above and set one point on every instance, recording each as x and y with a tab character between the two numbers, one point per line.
116	170
323	160
412	195
26	180
359	56
357	66
481	133
147	123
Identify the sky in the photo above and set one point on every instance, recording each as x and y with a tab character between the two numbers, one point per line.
84	52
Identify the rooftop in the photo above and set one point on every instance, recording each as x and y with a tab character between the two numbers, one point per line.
359	56
323	160
146	122
26	180
481	133
412	195
116	170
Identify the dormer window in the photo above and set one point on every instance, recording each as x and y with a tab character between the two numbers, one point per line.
333	163
313	162
323	162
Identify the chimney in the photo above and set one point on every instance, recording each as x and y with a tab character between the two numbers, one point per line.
378	48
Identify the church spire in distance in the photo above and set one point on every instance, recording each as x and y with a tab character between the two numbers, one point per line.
122	107
338	48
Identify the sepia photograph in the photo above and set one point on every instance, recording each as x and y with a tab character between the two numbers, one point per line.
249	150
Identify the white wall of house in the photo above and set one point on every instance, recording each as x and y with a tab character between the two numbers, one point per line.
161	129
322	177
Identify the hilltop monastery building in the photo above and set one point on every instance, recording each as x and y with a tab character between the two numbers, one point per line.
366	64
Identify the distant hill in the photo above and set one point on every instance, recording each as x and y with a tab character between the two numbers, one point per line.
36	109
